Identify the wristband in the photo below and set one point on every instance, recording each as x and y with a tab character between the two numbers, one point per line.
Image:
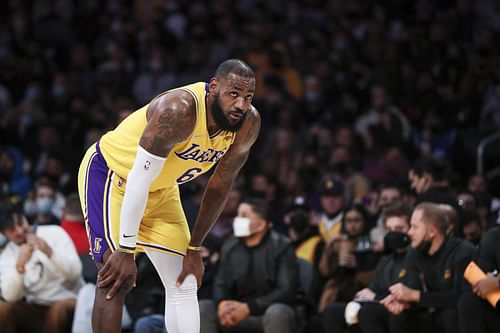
126	249
194	248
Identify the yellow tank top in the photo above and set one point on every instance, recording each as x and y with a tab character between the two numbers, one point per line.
186	161
307	249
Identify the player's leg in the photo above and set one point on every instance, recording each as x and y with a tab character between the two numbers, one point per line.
100	205
181	303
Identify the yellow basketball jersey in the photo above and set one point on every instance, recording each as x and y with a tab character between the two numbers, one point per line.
186	161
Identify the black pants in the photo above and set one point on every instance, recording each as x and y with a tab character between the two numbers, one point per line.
333	318
373	318
411	321
477	315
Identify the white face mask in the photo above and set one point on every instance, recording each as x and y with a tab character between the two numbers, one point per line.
241	227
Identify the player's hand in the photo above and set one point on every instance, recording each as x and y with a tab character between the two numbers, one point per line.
483	286
192	264
119	268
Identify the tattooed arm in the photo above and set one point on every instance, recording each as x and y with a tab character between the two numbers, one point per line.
171	119
218	189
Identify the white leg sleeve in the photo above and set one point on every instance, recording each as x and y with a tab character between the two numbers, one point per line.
181	304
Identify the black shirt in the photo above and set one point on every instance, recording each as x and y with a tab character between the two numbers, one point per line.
440	277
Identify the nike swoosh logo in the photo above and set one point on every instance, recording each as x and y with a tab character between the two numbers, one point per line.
127	236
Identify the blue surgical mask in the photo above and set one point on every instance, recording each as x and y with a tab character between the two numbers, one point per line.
3	240
44	205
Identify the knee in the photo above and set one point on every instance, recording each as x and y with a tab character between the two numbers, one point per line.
364	314
279	312
188	287
334	311
468	303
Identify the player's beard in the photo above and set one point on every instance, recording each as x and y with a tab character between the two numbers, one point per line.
222	121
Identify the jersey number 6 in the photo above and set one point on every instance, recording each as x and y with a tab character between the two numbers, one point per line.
188	175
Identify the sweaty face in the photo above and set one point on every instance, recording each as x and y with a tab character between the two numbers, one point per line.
232	102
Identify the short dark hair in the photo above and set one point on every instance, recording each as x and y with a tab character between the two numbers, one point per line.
439	169
259	207
398	209
234	66
9	213
72	205
45	182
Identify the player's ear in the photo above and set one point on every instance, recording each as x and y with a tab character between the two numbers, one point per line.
212	86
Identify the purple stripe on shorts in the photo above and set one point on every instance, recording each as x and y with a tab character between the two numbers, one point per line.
96	185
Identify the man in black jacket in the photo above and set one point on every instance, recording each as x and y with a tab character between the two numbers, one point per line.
429	301
257	279
476	314
372	316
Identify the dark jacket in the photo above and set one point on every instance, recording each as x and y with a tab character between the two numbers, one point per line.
260	276
440	277
488	255
391	269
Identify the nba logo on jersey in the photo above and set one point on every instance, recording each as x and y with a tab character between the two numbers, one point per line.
146	165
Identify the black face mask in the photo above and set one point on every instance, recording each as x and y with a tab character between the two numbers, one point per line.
424	246
395	241
475	240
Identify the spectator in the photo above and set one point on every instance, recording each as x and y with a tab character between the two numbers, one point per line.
40	275
429	178
435	281
45	199
13	179
383	113
332	202
74	224
257	278
472	226
305	239
372	316
348	260
388	195
475	314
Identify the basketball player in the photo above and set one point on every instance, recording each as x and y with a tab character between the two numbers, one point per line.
128	184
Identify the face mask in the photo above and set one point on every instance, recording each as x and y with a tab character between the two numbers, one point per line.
424	246
44	205
395	240
241	227
475	241
3	240
30	208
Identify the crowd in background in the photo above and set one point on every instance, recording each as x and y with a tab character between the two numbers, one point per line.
361	102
